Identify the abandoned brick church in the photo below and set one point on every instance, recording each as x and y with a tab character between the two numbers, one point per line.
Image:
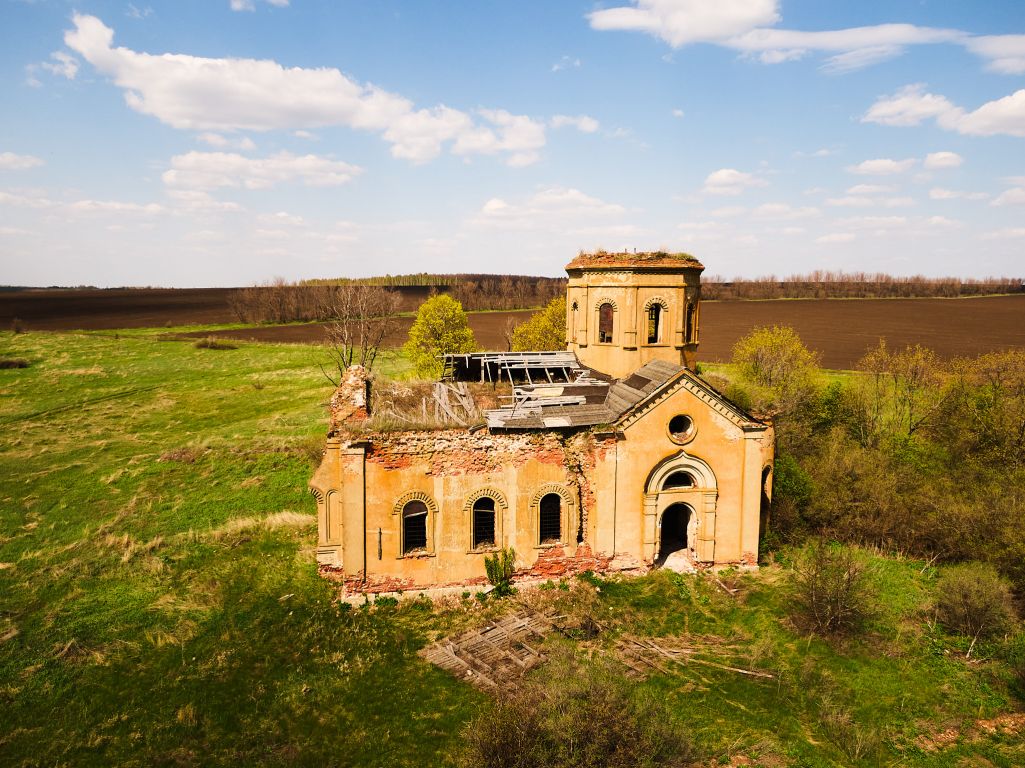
611	456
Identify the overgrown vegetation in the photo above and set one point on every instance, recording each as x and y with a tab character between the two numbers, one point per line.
160	604
500	568
909	452
832	594
578	715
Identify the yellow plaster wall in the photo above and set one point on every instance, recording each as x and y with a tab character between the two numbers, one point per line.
630	292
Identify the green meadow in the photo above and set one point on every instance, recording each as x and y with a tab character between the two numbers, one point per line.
160	602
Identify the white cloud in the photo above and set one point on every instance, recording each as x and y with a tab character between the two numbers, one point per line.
1003	53
583	123
1012	196
942	222
250	5
727	211
939	193
744	25
911	105
729	181
566	62
204	94
873	222
29	200
114	206
866	201
836	237
1008	233
679	22
677	113
199	201
63	64
854	47
210	170
783	212
937	160
224	142
870	189
548	208
882	166
12	162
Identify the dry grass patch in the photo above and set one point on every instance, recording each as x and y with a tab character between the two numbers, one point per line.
278	520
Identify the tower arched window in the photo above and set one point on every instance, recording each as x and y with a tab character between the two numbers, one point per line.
605	322
654	323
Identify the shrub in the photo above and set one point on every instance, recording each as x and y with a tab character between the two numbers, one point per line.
500	568
831	590
211	343
576	718
13	362
972	600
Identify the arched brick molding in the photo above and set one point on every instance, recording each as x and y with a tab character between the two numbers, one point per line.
501	506
567	510
432	514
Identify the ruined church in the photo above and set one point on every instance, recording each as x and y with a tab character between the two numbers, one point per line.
613	455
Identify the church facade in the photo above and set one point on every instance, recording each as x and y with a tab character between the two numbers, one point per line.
626	461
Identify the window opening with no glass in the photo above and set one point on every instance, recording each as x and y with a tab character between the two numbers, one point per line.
484	522
550	522
414	527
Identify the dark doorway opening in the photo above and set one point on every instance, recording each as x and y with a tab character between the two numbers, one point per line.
673	535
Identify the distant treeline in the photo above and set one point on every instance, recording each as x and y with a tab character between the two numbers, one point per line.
310	300
853	285
318	300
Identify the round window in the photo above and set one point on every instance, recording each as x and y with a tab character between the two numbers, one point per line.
681	428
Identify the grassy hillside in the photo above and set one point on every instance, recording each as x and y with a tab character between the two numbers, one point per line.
159	602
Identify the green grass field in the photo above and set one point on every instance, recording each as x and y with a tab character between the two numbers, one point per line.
159	600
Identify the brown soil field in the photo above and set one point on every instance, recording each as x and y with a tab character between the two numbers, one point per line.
841	330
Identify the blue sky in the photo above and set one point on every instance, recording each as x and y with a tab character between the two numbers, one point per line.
227	142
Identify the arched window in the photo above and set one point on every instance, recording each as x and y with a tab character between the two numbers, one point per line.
550	518
678	480
692	316
654	323
605	315
484	522
414	527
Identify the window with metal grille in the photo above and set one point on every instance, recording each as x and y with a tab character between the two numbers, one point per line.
550	518
678	480
484	522
414	527
605	314
654	323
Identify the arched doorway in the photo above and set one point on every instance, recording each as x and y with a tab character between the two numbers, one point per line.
674	531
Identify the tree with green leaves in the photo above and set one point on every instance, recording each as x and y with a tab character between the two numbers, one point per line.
784	374
440	328
545	330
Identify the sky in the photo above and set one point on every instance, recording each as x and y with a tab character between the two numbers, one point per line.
230	142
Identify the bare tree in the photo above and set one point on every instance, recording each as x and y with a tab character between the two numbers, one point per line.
363	317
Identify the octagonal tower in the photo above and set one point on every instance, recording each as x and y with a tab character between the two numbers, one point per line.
626	309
